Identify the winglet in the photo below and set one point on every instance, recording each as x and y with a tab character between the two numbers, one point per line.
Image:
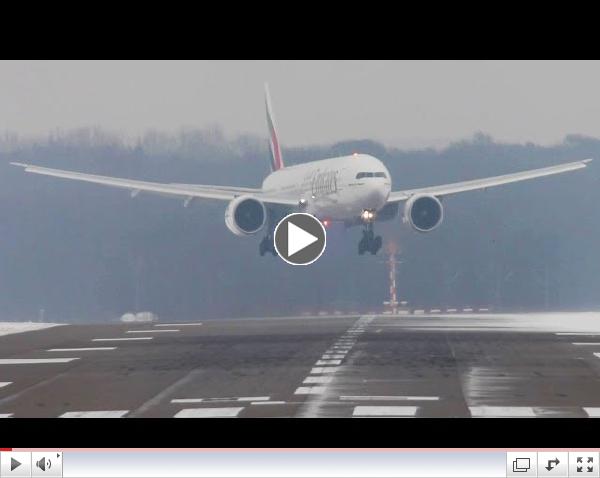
276	157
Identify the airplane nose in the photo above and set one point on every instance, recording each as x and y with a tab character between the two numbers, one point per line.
376	195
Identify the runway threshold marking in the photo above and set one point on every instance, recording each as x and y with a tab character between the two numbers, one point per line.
317	379
35	361
501	412
209	412
597	355
152	331
6	415
122	339
96	414
310	390
317	370
370	411
85	349
333	356
592	412
4	384
328	362
385	398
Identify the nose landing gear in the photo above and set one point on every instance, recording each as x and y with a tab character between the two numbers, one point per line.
369	241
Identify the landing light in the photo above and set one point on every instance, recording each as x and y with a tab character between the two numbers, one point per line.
367	215
326	222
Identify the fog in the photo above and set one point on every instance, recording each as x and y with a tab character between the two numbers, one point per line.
83	252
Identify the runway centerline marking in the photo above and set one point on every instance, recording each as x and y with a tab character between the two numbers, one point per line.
178	325
209	412
385	398
35	361
333	356
152	331
86	349
370	411
122	339
4	384
96	414
501	412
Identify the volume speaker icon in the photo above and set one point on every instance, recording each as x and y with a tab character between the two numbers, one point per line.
43	464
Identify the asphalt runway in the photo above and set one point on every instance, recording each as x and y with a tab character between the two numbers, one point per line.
369	366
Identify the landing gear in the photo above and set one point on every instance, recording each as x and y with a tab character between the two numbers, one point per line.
267	245
369	241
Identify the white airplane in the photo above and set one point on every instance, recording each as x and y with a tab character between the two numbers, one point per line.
355	189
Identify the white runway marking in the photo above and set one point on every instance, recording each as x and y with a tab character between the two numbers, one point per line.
597	355
323	370
152	331
310	390
328	362
502	412
220	399
334	356
177	325
121	339
586	343
4	384
576	333
209	412
317	379
592	412
96	414
274	402
87	349
384	398
6	415
35	361
384	411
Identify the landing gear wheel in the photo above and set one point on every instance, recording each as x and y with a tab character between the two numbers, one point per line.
376	245
369	242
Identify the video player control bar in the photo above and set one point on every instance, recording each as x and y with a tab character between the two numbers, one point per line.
297	463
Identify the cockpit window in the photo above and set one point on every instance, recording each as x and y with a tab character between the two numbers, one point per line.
371	175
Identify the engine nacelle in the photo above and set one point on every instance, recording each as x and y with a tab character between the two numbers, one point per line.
245	215
424	213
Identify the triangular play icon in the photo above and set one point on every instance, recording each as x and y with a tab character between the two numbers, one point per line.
14	464
298	239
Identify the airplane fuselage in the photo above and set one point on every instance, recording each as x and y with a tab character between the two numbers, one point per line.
337	189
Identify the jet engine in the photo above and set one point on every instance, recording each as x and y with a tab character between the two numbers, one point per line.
424	213
245	215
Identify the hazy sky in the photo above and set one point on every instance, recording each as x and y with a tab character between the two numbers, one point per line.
402	103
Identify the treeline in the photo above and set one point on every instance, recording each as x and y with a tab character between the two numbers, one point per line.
83	252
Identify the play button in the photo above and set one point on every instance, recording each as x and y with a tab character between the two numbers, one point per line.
300	239
14	464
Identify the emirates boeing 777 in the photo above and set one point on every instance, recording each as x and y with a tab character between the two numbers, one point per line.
355	190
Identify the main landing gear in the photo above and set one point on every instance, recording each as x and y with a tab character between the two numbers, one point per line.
267	245
369	241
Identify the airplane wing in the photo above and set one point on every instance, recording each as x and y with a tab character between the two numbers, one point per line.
187	192
484	183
